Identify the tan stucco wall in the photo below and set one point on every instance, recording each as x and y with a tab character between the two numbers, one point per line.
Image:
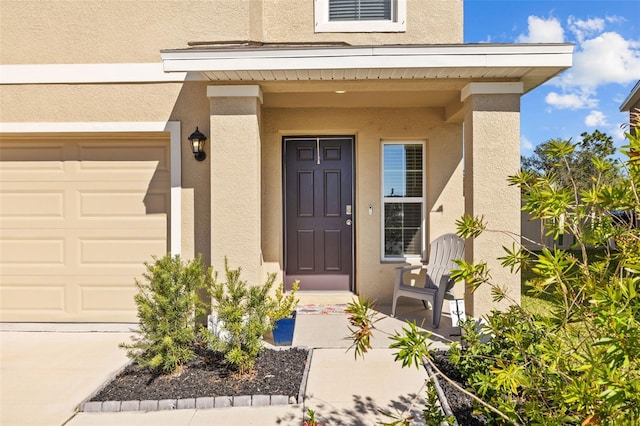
370	126
235	185
492	153
114	31
51	32
88	102
428	22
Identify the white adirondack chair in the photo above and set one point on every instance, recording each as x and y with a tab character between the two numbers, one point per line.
438	283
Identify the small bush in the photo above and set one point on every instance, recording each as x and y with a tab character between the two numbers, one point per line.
244	314
167	306
580	362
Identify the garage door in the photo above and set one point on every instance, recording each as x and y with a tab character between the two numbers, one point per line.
79	214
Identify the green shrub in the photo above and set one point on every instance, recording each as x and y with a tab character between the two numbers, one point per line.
284	304
167	303
244	314
580	363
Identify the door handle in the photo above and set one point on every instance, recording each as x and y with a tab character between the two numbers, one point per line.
349	222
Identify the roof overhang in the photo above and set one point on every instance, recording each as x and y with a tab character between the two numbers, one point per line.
531	64
632	99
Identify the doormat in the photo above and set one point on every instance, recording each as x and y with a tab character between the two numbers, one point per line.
313	309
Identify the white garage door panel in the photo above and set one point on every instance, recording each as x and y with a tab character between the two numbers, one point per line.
78	219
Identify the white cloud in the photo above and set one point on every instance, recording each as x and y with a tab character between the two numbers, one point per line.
595	119
615	19
607	58
525	143
583	28
542	31
571	100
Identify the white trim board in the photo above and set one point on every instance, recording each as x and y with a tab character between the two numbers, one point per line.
365	57
173	127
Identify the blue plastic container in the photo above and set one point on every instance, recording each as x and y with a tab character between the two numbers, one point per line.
283	331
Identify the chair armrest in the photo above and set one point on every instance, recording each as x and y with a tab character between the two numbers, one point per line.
446	285
400	272
403	269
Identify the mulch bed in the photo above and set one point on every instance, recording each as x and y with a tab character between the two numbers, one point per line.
277	372
460	403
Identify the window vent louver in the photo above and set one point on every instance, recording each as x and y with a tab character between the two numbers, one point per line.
359	10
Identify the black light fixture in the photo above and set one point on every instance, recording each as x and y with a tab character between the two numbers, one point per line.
197	144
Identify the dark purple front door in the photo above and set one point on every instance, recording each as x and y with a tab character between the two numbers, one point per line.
319	212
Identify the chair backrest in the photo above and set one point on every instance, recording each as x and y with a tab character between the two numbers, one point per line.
442	253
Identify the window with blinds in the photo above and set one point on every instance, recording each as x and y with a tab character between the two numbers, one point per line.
360	15
359	10
403	198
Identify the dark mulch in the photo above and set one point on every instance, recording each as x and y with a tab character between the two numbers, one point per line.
461	404
277	372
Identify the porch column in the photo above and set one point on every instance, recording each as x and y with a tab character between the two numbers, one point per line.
491	154
235	179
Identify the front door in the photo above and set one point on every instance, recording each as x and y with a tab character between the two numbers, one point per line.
319	212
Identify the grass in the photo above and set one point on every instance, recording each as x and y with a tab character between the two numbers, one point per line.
536	304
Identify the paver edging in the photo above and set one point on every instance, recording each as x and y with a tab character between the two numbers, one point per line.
199	403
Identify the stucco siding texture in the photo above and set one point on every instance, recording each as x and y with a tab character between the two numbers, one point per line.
235	185
492	154
58	32
88	102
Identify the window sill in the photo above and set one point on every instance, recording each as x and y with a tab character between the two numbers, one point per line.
361	27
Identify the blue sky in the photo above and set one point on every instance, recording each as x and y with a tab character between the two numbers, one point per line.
606	61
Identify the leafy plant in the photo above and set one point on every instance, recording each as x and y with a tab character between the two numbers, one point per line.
432	413
577	157
311	418
168	303
245	313
284	305
362	321
580	363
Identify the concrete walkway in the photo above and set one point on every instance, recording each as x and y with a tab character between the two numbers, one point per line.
45	375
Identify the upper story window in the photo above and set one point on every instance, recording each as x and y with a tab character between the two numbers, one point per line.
360	16
403	199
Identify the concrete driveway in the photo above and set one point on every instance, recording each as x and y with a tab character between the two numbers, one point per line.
45	375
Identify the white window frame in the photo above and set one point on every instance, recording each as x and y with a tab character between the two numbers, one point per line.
398	22
422	200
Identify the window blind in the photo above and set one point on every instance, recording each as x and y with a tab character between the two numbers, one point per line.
359	10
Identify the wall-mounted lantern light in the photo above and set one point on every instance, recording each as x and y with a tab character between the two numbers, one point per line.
196	141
